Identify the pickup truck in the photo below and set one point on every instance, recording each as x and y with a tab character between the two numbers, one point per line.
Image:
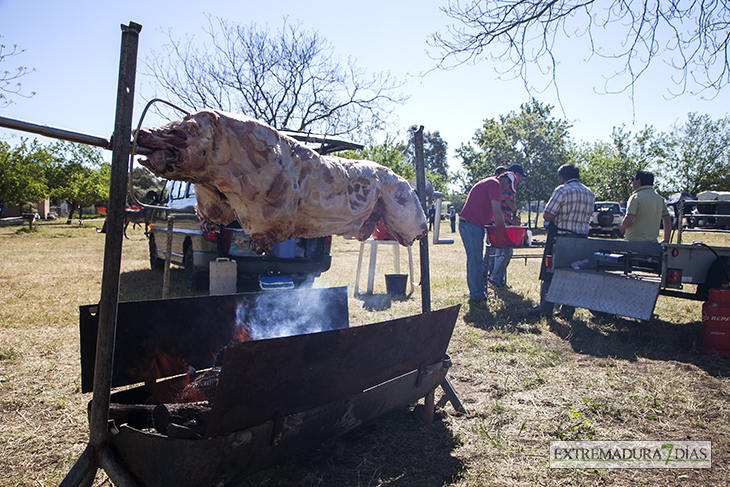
301	259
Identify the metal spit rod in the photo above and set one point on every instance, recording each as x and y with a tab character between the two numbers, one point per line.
63	134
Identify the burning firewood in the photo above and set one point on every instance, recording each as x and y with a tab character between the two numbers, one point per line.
159	417
202	386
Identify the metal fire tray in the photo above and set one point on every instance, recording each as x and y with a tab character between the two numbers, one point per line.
278	396
161	338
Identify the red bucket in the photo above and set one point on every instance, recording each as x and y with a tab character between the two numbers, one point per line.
514	236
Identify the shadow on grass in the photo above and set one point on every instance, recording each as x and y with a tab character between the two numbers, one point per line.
397	449
504	311
381	301
628	339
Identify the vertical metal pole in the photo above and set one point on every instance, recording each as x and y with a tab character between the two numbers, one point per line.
83	471
425	269
421	189
114	234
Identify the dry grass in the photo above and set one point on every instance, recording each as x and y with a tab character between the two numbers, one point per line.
524	380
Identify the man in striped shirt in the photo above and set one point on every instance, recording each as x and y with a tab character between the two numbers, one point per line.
569	213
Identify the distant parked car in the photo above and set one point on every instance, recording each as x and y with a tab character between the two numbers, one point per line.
606	219
301	259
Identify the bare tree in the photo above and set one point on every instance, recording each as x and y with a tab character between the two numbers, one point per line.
289	79
9	84
690	36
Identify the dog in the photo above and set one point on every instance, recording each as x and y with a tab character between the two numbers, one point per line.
135	217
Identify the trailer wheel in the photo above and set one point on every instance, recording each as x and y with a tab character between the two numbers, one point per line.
716	278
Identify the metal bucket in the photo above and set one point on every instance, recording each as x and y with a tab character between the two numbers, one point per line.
395	284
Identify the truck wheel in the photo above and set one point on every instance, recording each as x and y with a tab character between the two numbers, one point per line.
156	264
193	277
715	279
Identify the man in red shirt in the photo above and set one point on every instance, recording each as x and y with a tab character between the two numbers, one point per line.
483	204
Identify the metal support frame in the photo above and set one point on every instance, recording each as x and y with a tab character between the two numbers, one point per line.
97	454
425	270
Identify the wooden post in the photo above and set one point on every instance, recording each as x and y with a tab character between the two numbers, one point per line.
168	257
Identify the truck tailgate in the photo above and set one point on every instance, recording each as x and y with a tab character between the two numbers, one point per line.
612	293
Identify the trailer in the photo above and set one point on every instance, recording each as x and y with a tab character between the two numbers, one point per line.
625	278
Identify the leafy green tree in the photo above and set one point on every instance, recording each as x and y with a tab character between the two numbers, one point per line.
532	138
697	156
435	158
78	176
383	148
143	182
22	177
607	168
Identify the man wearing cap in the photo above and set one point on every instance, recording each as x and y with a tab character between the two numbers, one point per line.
482	205
499	258
644	211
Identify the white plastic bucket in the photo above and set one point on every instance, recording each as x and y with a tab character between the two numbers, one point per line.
223	274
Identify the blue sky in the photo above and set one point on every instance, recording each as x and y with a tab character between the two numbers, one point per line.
74	46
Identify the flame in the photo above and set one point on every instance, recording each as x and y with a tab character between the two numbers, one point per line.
241	334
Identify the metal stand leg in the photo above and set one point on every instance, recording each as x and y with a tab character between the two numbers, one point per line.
371	267
359	266
453	398
430	404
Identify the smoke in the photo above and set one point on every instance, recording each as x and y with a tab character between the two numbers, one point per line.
286	313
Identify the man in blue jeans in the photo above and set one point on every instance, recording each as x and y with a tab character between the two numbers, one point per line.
499	258
482	205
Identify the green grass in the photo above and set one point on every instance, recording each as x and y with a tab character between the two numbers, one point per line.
524	380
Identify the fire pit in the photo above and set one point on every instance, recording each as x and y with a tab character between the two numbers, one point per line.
217	404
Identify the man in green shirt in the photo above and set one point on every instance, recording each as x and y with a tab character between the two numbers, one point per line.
644	211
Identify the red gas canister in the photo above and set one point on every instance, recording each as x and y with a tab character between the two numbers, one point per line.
716	322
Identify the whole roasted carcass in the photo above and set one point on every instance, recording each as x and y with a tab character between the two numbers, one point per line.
274	186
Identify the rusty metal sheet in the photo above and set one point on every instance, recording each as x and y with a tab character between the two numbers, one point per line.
260	379
158	461
160	338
